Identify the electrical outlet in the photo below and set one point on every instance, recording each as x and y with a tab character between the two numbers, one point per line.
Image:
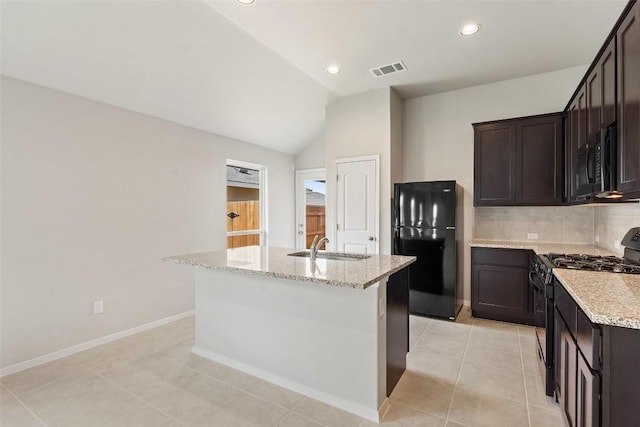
532	236
597	239
98	307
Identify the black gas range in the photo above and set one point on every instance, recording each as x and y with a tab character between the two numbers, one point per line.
613	264
541	280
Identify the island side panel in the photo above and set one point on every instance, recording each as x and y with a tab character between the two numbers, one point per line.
319	340
397	327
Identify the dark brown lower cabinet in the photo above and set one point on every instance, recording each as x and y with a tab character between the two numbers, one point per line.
500	287
597	375
620	376
397	326
587	395
567	373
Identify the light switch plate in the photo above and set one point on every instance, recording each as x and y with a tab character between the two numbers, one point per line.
532	236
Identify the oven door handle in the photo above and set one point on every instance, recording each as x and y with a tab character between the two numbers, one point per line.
533	282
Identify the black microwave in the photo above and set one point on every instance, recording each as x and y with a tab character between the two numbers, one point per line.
596	165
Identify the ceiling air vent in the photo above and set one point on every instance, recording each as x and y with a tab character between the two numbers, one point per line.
388	69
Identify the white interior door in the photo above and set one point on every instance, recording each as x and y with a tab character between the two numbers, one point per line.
311	191
357	206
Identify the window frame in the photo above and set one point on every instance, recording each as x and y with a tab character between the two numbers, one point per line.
262	200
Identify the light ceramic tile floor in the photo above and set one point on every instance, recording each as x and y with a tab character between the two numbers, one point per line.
469	373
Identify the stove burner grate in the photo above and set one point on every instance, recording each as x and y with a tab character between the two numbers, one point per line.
594	263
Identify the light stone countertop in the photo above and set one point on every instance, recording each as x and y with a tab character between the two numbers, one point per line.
542	247
606	298
274	262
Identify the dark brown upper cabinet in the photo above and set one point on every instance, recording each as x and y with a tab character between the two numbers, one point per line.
601	91
519	161
494	164
576	138
592	108
628	51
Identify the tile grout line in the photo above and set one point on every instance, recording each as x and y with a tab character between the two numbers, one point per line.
243	391
419	336
524	379
293	410
79	365
137	397
235	387
455	386
87	368
24	405
282	418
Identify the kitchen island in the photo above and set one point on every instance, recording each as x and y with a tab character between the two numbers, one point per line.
333	330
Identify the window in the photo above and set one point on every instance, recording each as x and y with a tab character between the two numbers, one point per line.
311	191
246	206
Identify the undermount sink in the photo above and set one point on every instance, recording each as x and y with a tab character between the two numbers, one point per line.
339	256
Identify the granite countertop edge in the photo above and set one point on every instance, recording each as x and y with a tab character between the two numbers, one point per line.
356	284
599	315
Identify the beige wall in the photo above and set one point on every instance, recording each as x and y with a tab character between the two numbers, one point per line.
438	137
311	156
359	125
92	197
396	139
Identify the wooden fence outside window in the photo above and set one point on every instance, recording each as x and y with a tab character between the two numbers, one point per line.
245	215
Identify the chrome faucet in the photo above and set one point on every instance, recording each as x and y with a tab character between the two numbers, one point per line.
315	246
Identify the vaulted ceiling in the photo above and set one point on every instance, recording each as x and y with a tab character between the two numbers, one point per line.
257	73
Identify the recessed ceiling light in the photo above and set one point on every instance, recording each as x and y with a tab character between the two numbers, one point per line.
246	1
333	69
469	29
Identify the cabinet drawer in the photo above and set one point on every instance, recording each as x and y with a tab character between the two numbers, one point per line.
504	257
588	338
567	307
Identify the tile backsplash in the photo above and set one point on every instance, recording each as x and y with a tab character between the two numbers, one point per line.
611	223
553	224
558	224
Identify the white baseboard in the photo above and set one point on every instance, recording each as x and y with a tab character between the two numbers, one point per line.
371	414
40	360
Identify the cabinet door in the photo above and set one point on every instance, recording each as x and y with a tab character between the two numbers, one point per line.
576	138
601	91
607	67
397	326
587	396
539	168
494	164
568	370
628	47
594	101
501	293
557	354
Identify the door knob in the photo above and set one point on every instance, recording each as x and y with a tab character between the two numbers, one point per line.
371	238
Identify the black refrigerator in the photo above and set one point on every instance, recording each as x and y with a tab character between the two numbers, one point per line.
428	225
